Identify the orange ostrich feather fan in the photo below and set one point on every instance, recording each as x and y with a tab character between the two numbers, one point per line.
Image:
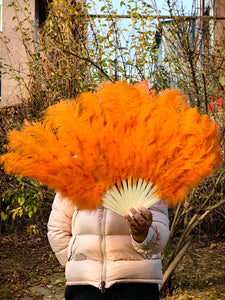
119	147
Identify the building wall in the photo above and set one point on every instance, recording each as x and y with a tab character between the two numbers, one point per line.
216	9
219	11
15	54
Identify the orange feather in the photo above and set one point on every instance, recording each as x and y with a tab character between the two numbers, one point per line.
84	146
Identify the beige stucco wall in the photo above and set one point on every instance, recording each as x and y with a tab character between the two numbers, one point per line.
15	55
220	24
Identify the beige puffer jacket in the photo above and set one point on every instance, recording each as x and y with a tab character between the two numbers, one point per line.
97	249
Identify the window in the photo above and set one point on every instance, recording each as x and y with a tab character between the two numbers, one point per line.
41	11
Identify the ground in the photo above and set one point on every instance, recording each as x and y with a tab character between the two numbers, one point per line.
29	270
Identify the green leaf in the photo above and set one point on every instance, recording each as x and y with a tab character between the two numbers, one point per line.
30	213
213	245
222	81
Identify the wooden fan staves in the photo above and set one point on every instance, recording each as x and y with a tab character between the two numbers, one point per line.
119	147
131	193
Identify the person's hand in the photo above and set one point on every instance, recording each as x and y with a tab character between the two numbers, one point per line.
140	222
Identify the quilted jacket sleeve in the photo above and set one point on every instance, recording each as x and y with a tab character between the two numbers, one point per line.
59	227
158	233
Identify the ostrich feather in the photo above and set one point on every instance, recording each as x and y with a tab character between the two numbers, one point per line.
118	147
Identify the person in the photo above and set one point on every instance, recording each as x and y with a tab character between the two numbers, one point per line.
106	255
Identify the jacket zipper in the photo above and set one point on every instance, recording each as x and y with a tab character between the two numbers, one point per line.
71	246
103	273
73	235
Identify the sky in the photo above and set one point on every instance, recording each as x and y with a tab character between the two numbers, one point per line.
187	5
161	5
